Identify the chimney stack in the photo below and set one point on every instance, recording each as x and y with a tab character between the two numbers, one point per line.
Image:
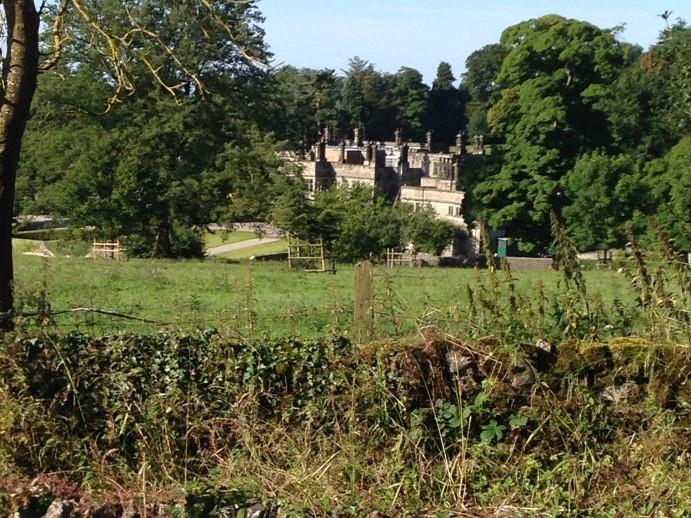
342	153
461	142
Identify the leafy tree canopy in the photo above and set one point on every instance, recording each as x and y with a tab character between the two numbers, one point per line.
142	166
410	95
445	78
359	223
554	72
669	180
604	192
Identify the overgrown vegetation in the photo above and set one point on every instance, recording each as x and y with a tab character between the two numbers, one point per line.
202	424
531	404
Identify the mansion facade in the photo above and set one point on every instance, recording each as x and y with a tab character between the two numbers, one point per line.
410	172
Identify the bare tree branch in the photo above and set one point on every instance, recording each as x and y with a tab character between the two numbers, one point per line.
118	46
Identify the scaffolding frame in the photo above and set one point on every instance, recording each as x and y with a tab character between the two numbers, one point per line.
107	250
313	254
399	258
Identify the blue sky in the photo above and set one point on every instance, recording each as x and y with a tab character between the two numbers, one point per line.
420	34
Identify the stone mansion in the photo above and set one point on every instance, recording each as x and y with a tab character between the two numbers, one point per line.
411	172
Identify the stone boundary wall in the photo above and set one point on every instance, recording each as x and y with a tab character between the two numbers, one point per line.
478	261
263	229
529	263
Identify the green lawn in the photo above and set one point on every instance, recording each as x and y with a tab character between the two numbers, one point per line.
19	246
211	239
218	238
265	248
266	297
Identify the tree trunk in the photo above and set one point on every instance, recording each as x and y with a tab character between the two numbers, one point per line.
19	74
162	246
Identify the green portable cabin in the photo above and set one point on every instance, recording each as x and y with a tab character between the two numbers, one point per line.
503	246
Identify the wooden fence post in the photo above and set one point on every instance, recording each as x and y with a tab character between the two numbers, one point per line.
363	304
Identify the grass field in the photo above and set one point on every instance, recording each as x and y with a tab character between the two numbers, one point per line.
218	238
211	240
265	248
263	297
19	246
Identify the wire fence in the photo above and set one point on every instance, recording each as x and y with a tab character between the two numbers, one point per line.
387	314
304	322
399	302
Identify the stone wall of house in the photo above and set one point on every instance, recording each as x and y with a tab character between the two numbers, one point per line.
417	173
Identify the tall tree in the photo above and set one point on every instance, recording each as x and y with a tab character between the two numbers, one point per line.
554	73
481	77
366	101
445	108
444	79
604	192
481	82
410	95
128	42
649	105
669	181
671	58
19	73
145	179
308	102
